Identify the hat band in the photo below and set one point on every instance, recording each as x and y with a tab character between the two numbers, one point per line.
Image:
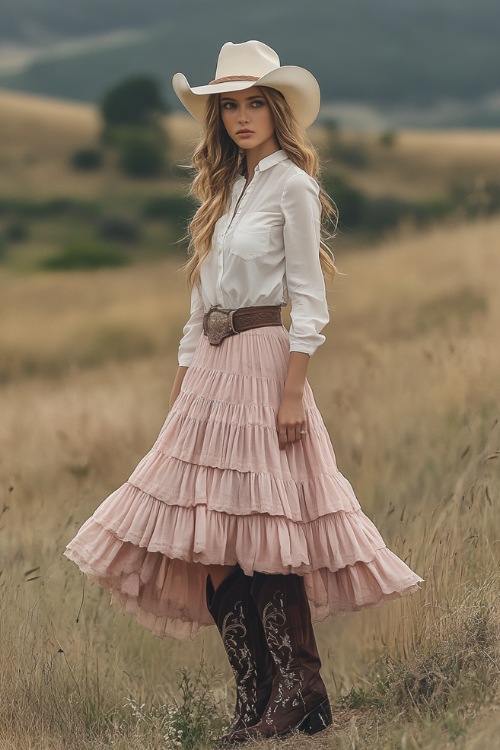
234	78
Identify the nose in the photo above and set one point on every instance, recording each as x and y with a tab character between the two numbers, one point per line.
242	114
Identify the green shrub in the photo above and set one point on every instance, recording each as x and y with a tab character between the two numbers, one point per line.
432	209
384	212
141	152
350	201
331	125
358	211
387	139
196	718
87	158
85	255
354	155
19	208
16	231
119	229
177	209
194	721
50	208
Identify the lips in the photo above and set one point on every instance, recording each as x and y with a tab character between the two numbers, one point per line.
244	132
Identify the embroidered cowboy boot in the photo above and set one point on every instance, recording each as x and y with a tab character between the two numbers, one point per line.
240	627
298	699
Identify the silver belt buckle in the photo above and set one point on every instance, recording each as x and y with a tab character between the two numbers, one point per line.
218	323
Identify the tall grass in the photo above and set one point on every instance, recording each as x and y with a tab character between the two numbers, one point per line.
412	409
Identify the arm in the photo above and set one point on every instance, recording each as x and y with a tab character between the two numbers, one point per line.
192	329
309	314
187	345
291	418
306	288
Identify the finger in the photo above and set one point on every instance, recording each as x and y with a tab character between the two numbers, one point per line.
287	435
282	437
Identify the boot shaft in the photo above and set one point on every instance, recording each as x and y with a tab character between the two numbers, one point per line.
284	609
234	612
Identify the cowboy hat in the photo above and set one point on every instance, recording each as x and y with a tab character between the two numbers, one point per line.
253	63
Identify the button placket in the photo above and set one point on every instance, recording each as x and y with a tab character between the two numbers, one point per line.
220	259
243	197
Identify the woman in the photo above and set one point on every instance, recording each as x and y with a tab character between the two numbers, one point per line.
238	514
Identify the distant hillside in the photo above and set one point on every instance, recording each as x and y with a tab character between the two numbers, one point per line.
429	61
39	135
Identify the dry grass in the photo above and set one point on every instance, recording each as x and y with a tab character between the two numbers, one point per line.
408	384
88	320
423	163
38	135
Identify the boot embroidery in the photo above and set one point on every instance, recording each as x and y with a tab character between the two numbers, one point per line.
234	637
289	692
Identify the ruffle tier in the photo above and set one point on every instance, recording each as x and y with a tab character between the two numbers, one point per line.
215	488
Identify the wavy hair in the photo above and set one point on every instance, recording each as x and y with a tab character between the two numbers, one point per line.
218	160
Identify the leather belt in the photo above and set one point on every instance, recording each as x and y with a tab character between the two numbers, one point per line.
219	322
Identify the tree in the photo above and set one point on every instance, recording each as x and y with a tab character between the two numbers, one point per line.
141	152
136	101
132	111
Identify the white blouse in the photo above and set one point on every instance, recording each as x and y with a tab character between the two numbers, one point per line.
266	252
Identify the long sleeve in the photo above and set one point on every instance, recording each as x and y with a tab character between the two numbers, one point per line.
309	314
192	329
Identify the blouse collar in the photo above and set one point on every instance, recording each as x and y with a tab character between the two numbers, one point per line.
271	160
268	161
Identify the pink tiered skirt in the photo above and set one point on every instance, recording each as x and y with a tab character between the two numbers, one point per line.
215	488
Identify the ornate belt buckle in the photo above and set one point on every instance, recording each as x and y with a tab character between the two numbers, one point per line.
217	324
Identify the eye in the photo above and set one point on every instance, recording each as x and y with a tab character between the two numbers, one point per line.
228	105
258	102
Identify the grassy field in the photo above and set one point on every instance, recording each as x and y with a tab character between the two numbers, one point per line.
408	383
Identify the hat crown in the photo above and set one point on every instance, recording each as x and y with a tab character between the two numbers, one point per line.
253	63
248	58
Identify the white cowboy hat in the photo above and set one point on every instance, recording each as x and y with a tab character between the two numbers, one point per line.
253	63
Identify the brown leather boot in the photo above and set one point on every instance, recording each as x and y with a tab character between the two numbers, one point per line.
240	627
298	699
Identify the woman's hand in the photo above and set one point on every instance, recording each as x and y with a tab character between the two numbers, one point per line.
291	419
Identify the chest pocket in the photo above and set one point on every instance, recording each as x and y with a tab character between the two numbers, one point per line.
252	236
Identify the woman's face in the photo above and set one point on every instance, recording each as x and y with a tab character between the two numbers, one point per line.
247	117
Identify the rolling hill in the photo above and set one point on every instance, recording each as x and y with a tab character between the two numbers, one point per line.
415	63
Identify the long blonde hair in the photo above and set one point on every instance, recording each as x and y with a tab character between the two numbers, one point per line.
218	160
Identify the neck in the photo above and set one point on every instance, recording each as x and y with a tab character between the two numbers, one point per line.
254	155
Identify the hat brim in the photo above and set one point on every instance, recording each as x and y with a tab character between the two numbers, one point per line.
299	87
